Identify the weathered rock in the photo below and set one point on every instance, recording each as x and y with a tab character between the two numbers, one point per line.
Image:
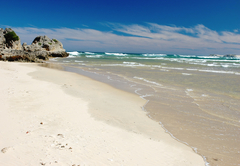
47	44
58	54
12	40
41	48
2	39
23	56
32	48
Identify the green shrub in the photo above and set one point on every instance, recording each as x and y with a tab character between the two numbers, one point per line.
50	43
11	36
39	44
55	40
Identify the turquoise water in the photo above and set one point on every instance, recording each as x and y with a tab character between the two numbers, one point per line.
196	99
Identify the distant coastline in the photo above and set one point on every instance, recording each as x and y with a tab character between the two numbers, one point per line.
227	55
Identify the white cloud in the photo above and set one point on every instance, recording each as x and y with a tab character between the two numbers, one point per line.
153	38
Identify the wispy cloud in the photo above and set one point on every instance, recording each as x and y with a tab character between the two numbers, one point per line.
137	38
236	30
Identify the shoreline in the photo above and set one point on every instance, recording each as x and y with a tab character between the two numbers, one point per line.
197	108
65	117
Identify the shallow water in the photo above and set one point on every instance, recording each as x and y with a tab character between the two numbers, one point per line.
196	99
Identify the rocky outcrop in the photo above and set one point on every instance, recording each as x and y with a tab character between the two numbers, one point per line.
231	56
51	47
23	56
41	48
48	44
9	39
2	39
216	55
227	55
44	43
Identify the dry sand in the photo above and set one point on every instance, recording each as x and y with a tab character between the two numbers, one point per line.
51	117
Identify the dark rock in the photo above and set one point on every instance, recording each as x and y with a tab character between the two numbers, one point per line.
22	56
216	55
230	55
59	54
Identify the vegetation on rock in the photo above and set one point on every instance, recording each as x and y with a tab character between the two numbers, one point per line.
11	36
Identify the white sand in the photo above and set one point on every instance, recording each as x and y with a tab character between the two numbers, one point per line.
51	117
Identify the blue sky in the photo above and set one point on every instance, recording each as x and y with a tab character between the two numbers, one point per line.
148	26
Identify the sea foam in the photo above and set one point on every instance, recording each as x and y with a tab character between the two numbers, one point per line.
73	53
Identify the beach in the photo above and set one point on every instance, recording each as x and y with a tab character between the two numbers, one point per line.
54	117
195	98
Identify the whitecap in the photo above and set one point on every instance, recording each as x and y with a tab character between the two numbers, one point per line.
130	63
209	57
147	58
93	56
188	56
212	64
73	53
154	55
91	53
225	65
236	64
192	69
116	54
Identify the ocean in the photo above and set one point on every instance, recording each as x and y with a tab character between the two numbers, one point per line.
196	99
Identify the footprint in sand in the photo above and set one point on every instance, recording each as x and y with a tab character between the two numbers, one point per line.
4	150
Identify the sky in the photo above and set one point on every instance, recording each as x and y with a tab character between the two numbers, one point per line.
131	26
